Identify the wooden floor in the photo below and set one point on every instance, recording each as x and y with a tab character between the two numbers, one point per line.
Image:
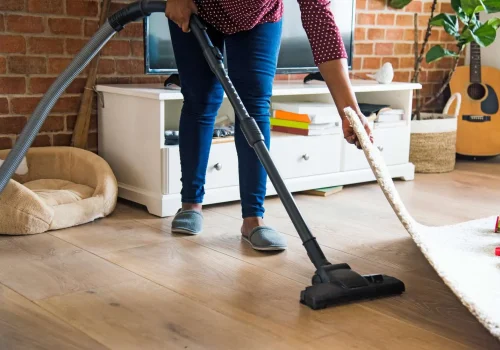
125	282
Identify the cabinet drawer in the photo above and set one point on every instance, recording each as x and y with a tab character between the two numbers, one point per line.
393	142
298	156
222	168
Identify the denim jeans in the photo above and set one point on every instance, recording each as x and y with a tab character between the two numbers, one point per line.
251	63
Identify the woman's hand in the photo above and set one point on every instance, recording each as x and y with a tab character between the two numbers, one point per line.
349	134
180	11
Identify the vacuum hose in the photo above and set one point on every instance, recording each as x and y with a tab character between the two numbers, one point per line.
113	25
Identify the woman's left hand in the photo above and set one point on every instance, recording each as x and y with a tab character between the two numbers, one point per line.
349	134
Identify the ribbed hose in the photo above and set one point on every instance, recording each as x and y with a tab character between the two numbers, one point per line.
48	101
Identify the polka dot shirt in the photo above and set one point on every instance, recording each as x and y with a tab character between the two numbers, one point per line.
231	16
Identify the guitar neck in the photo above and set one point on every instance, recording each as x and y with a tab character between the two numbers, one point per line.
475	63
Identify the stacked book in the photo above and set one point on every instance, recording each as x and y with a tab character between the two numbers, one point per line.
305	118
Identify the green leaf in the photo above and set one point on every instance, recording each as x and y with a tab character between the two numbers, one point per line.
491	6
455	5
471	7
449	22
484	35
494	22
437	52
398	4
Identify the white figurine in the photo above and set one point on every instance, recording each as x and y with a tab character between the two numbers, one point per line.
384	75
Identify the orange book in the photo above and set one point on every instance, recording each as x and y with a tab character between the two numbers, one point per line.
279	114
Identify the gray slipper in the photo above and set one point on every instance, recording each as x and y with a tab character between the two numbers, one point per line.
266	238
188	222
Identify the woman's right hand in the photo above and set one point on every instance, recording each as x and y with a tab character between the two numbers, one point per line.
180	11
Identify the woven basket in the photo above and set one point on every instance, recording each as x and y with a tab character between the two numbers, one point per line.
433	140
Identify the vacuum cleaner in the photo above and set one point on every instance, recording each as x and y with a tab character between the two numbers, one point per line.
332	283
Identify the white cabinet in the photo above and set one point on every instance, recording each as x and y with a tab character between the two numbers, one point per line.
132	120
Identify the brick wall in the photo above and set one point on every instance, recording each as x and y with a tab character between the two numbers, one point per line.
38	38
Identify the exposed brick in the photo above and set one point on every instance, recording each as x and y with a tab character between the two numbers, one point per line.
27	65
24	24
132	30
407	62
4	105
67	105
404	20
365	18
90	27
62	139
93	121
12	44
73	46
2	23
434	35
384	48
137	48
58	64
376	34
363	49
423	20
113	80
385	19
446	8
41	141
394	34
116	48
402	76
5	142
11	5
65	26
356	63
42	45
414	6
86	8
403	49
40	85
3	65
12	125
376	4
392	60
23	105
371	62
77	86
46	6
116	6
445	37
106	66
130	66
12	85
70	122
53	123
361	4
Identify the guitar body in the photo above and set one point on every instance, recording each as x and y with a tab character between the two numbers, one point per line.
478	129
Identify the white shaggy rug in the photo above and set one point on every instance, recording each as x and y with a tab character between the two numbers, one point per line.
463	254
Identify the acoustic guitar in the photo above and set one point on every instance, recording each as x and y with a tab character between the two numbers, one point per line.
478	129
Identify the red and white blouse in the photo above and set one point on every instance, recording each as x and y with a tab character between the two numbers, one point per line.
231	16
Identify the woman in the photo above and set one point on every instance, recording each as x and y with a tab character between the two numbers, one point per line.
250	31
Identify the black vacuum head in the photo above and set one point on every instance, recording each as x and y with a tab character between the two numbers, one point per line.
338	284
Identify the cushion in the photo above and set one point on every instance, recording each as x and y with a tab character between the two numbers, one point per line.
63	187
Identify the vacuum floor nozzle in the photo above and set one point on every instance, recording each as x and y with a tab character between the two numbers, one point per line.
347	286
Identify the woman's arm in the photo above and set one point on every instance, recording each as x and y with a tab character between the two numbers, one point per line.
330	56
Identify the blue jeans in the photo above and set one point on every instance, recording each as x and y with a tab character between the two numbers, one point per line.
251	62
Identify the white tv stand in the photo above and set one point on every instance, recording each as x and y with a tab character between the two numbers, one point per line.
133	118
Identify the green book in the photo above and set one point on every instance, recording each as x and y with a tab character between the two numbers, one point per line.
324	192
289	123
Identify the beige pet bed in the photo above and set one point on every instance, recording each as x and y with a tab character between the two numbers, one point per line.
63	187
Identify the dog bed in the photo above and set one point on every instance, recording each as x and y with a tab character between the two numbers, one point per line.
60	187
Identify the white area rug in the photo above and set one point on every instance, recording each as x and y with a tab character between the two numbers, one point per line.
463	254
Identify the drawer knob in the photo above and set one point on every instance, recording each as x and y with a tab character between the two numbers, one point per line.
306	156
380	148
218	166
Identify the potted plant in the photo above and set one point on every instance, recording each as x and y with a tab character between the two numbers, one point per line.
433	138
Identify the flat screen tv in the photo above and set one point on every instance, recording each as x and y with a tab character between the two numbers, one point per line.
295	53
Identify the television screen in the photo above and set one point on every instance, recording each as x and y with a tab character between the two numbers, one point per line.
295	53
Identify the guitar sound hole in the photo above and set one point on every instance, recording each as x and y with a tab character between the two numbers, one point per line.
476	91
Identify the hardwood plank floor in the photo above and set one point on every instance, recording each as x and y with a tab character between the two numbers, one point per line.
126	282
